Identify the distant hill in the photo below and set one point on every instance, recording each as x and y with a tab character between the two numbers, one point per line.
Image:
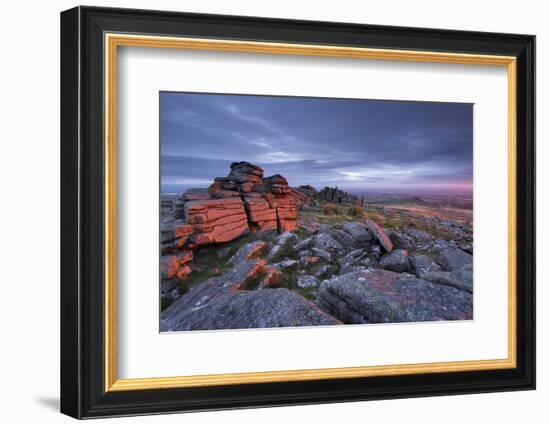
412	200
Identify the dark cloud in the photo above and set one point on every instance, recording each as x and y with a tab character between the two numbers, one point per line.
354	144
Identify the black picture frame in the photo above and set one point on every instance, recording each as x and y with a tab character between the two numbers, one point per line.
83	392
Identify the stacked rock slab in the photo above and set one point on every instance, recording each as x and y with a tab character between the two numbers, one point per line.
215	220
280	197
232	206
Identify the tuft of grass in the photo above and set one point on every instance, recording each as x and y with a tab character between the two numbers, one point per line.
331	209
301	232
394	219
318	215
355	211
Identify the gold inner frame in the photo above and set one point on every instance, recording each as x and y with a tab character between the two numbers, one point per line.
113	41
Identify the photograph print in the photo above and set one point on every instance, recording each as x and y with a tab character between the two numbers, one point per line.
280	211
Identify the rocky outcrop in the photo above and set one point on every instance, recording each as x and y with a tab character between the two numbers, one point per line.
331	271
337	196
353	272
381	296
220	303
232	206
307	196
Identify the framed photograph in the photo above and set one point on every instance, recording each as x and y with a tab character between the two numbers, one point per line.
261	212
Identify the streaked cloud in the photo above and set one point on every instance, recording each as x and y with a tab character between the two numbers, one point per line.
353	144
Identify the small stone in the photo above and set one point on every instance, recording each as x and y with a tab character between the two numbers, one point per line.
305	253
323	271
303	244
284	243
347	262
309	260
400	240
248	251
375	251
307	281
419	235
286	264
380	234
286	238
325	255
327	243
167	286
396	261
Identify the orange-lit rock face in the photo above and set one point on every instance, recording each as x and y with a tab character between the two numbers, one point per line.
273	277
287	225
260	214
171	263
258	268
182	229
215	220
232	206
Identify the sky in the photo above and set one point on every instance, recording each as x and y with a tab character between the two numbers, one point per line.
357	145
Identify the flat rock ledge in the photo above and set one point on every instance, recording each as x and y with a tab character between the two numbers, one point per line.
381	296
